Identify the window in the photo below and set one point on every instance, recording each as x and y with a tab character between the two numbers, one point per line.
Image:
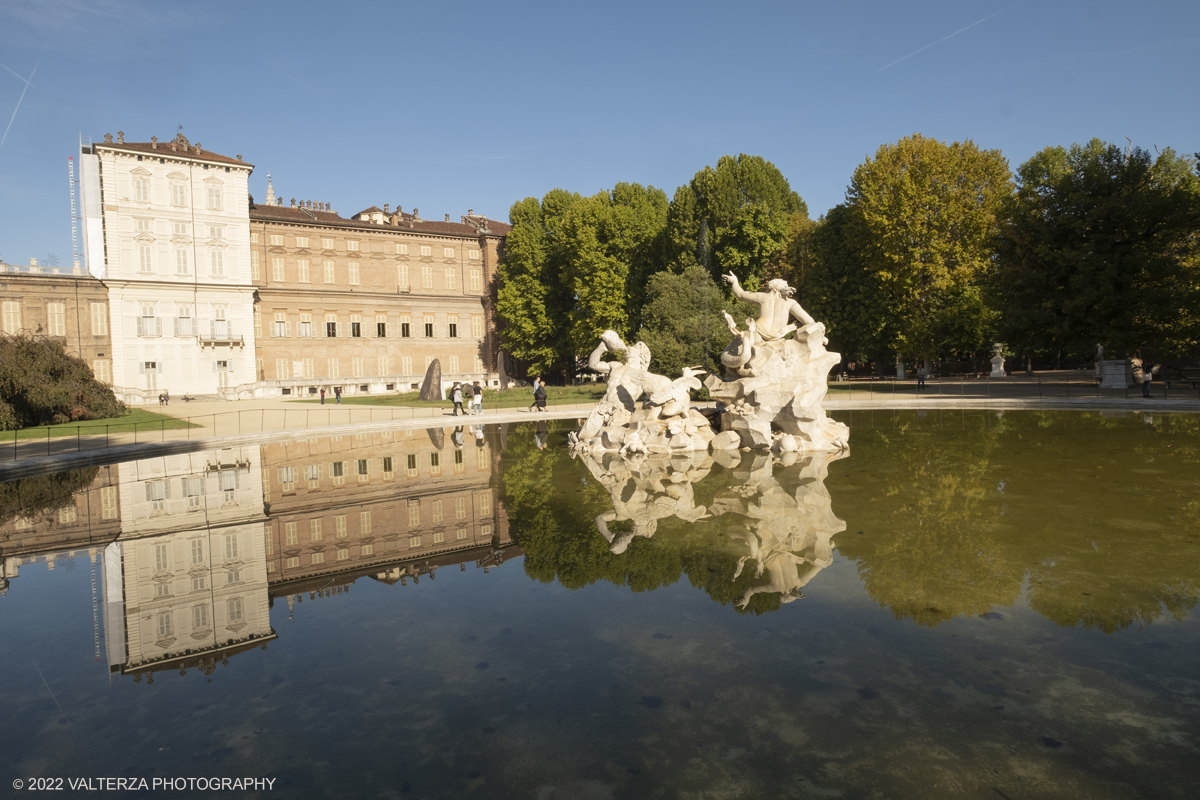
318	558
141	190
99	319
405	327
162	590
331	325
108	502
101	371
485	504
276	240
147	323
181	261
452	362
253	236
356	367
435	463
386	466
429	326
361	469
145	260
448	252
426	277
255	266
178	195
476	282
402	277
282	370
287	479
12	317
308	368
354	273
329	271
460	533
476	327
216	231
216	261
437	510
352	245
473	255
411	471
482	458
460	508
143	225
258	332
401	249
339	526
477	366
458	461
306	327
312	473
302	270
199	583
414	514
414	541
164	624
289	532
382	367
199	617
276	269
452	326
356	326
364	522
56	319
293	562
368	549
331	365
231	544
451	277
406	365
314	530
439	537
301	241
213	195
426	250
198	544
162	557
380	326
327	244
281	328
342	554
233	609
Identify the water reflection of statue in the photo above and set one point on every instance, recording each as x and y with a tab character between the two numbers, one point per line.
645	490
777	507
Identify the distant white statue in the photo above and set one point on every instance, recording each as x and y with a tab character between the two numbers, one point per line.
998	361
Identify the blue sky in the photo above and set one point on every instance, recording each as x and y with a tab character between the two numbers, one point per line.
447	107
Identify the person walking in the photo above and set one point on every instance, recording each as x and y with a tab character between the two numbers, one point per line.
539	396
921	378
337	393
536	381
456	396
1147	376
322	396
477	400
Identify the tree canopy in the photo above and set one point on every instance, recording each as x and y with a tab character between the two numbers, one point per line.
41	384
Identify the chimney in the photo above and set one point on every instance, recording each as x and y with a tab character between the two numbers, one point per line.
293	202
470	212
120	137
279	202
108	138
33	262
239	156
153	142
447	218
416	215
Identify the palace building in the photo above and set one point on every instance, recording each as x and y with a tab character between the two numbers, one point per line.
211	295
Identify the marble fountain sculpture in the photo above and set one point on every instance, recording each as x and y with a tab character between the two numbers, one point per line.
770	396
775	507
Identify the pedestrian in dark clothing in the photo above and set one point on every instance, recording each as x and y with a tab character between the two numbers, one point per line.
322	397
337	392
477	400
1147	376
536	382
539	396
456	396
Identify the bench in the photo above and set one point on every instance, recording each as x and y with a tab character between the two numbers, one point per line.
1193	382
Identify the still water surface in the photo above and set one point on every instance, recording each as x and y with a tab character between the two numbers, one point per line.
966	605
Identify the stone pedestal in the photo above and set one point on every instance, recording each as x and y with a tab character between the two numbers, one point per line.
998	368
1116	374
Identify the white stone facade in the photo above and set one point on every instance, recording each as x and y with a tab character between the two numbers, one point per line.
176	260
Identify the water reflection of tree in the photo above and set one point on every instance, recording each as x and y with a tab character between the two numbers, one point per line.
961	520
30	498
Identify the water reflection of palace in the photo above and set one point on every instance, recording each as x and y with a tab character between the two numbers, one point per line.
195	548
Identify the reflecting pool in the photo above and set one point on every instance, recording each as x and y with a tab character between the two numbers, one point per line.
967	604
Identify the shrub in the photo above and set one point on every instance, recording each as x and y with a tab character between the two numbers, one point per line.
40	384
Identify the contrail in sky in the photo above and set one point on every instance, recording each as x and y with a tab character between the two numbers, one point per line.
13	71
28	83
951	36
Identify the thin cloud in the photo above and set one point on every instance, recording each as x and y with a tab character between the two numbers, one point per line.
14	72
28	83
951	36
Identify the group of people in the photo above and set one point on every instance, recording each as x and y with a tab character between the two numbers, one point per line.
456	395
164	398
337	392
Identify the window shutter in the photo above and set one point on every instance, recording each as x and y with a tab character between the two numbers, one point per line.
141	331
178	326
167	489
149	494
141	367
158	326
161	367
214	366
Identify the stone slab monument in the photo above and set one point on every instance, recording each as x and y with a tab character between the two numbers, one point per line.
770	396
998	361
1116	373
431	389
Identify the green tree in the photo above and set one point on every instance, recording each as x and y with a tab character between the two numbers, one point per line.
682	322
1100	246
733	217
41	384
923	225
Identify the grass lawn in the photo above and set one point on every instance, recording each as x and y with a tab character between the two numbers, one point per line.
492	398
142	419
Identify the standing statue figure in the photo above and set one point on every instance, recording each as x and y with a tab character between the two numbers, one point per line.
775	308
627	382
